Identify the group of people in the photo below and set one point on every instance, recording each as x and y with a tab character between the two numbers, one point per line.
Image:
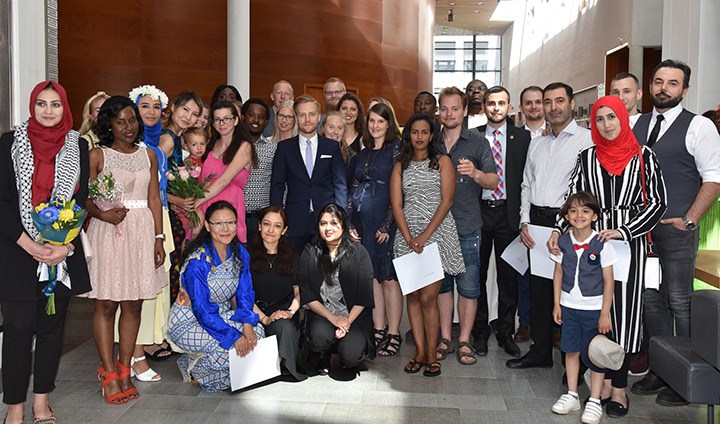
304	212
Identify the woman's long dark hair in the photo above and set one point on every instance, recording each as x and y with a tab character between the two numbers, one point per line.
406	149
285	258
393	132
360	121
109	111
327	266
240	135
204	237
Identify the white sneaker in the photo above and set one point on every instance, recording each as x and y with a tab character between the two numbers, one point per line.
592	414
566	404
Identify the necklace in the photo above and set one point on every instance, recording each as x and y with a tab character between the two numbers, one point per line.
271	263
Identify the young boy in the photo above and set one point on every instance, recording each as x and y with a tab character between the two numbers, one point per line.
194	141
583	288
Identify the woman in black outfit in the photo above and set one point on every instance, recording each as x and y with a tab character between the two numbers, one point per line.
277	297
335	278
42	157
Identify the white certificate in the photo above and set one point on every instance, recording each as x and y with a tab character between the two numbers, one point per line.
263	363
516	255
415	271
540	262
621	268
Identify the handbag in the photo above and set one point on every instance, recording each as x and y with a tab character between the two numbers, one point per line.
653	267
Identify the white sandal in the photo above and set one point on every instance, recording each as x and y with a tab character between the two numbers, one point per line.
148	375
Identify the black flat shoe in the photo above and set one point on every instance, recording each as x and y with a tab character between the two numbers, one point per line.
616	409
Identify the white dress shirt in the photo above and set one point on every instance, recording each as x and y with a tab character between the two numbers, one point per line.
478	120
303	146
550	161
502	137
538	132
702	141
634	118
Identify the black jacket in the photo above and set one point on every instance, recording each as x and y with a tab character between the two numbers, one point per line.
19	270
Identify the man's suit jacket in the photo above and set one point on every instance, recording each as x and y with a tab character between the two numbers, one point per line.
517	143
328	183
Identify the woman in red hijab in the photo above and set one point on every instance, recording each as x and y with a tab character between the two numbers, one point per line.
38	158
626	179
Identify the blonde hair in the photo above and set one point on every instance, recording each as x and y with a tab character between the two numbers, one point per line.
343	146
87	121
276	134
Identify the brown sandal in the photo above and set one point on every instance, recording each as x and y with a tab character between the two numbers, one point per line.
443	352
469	356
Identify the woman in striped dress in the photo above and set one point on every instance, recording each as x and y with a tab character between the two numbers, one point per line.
615	170
422	187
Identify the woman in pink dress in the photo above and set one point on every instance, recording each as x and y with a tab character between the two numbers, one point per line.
229	158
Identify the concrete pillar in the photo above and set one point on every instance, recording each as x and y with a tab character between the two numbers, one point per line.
238	58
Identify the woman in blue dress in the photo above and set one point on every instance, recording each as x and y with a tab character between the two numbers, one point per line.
371	221
202	321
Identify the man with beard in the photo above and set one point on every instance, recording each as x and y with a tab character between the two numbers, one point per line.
688	150
475	91
473	161
312	170
550	161
281	93
500	210
257	190
626	86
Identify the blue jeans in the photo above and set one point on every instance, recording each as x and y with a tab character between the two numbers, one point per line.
677	250
468	282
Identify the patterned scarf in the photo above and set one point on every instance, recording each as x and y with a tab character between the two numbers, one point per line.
67	172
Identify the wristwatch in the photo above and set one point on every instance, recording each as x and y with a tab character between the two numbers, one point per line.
160	237
689	224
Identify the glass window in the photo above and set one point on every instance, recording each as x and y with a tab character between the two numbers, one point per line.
462	58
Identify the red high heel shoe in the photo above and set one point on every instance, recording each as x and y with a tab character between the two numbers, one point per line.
118	398
131	393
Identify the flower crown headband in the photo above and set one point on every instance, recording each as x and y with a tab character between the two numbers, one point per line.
150	91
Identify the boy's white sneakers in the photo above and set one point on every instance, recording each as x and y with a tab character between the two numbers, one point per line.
592	414
566	404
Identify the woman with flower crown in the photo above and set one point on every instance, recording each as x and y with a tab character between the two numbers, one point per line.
39	158
150	341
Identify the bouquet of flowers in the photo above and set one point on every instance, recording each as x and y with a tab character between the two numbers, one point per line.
58	222
107	194
183	181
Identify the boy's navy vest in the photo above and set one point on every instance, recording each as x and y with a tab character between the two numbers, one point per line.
590	279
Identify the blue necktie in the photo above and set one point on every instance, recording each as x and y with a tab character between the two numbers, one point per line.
309	158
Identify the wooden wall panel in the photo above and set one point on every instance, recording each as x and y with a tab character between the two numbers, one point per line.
379	46
114	46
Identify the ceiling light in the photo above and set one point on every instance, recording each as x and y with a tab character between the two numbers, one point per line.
476	11
452	3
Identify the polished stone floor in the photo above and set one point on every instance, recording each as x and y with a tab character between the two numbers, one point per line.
484	393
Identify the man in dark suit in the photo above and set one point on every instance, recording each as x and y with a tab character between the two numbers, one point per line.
311	168
500	210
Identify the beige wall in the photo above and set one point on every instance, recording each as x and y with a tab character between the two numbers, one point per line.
564	43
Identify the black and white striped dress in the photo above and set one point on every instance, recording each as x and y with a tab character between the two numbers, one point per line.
621	200
421	197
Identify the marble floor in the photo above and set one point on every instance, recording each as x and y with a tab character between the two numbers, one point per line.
487	392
